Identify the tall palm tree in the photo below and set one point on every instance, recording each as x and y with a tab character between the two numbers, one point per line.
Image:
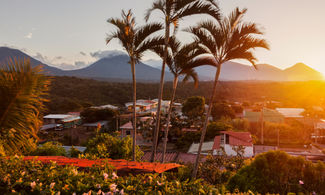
230	39
23	90
135	41
173	11
179	61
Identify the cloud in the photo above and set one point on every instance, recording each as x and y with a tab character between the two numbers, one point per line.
29	35
107	53
83	53
80	64
40	57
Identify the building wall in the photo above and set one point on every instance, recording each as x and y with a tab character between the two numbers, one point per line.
248	151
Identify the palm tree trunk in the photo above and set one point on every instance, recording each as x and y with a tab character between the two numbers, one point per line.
161	88
134	110
196	166
168	118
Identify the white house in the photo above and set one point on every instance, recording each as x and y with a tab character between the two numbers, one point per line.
230	140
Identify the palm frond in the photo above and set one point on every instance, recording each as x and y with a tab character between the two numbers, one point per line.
23	91
157	5
144	32
209	7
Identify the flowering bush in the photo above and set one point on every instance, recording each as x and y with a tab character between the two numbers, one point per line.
30	177
49	149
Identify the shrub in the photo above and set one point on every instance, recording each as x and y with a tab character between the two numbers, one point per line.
49	149
32	177
108	146
74	152
277	172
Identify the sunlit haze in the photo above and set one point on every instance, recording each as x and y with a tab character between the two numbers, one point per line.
67	34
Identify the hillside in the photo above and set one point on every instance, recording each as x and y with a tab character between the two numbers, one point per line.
7	53
117	67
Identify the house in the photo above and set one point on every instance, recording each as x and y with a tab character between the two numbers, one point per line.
230	140
127	130
67	120
164	105
93	126
207	148
142	106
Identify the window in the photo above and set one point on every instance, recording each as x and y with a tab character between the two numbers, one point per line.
128	132
227	139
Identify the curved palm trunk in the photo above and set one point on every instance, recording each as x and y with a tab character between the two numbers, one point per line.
196	166
168	118
134	111
161	88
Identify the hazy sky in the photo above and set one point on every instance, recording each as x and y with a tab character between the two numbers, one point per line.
71	33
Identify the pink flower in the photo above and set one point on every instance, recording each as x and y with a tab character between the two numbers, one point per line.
112	187
301	182
122	192
52	185
105	176
159	184
114	175
33	184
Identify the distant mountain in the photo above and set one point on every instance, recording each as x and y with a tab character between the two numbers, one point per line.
117	67
232	71
7	53
302	72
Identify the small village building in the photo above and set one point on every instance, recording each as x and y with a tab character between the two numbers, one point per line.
142	105
207	148
68	121
127	129
229	141
95	125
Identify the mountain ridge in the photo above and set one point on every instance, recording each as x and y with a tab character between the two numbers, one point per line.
116	67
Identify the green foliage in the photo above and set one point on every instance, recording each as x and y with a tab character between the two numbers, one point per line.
193	107
187	139
277	172
214	129
32	177
49	149
22	90
108	146
220	110
91	115
74	152
240	124
218	169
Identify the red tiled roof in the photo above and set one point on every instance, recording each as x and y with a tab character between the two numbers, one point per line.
239	138
117	164
127	125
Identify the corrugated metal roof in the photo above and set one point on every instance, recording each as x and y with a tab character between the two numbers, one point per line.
291	112
206	146
58	116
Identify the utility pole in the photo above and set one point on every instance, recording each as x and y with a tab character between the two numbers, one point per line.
262	124
278	138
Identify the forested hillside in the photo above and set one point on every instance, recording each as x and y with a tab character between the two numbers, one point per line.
72	94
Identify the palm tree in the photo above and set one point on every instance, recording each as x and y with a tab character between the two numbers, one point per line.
135	41
179	61
230	39
173	11
23	91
